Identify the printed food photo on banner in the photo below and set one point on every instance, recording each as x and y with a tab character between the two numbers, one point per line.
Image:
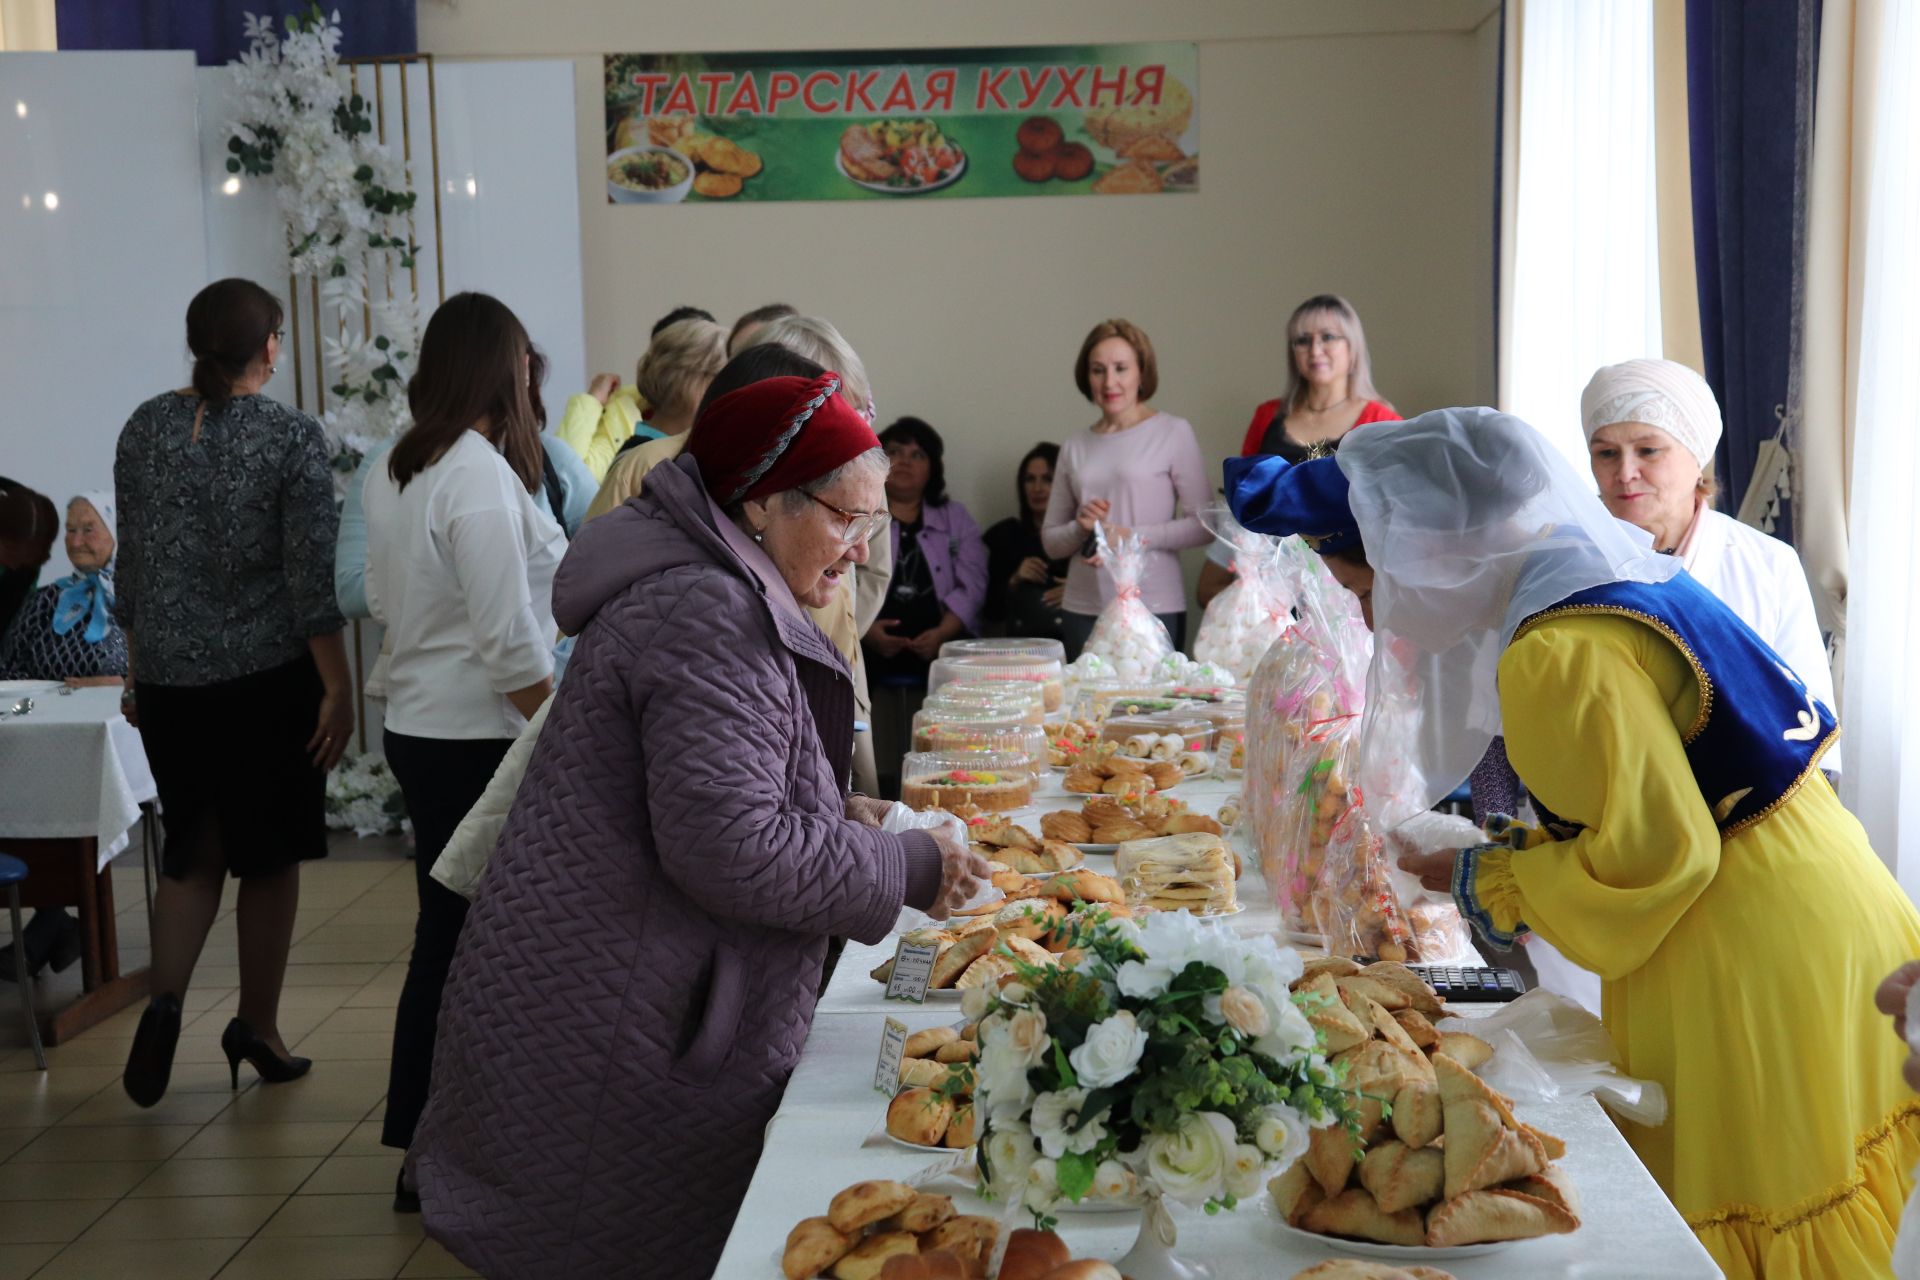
1079	120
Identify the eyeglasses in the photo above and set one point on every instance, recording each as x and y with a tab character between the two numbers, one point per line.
1306	340
860	526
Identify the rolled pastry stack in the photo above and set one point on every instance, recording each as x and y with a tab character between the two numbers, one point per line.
1191	872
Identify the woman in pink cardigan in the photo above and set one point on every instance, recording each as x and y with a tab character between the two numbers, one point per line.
1135	469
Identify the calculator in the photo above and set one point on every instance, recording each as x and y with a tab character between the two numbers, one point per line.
1471	986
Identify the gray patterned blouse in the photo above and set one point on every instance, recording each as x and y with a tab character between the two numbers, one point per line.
225	563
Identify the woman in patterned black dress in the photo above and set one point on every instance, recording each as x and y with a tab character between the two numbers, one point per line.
239	674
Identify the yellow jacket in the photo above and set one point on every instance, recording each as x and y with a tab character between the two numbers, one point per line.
596	434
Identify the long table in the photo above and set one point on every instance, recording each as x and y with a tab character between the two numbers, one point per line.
829	1133
73	775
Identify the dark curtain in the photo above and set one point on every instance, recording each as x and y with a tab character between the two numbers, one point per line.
1749	101
214	29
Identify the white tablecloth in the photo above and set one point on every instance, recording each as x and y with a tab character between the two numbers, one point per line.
73	767
818	1143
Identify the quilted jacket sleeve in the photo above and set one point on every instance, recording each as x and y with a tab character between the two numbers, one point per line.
717	726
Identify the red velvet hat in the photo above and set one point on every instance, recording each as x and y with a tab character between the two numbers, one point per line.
776	434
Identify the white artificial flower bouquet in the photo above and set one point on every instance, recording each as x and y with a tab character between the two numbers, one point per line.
364	797
1164	1058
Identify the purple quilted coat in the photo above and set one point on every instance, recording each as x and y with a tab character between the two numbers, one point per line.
637	976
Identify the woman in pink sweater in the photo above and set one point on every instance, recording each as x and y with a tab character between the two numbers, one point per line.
1135	469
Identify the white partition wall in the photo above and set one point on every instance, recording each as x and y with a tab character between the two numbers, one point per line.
101	247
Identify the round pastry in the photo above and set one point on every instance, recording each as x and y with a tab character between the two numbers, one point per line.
1032	1254
919	1116
1038	135
924	1044
990	792
1072	162
1034	168
813	1246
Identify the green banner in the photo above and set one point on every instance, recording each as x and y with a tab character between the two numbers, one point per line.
886	125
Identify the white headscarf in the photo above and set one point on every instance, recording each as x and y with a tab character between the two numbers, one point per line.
1659	393
1472	523
101	500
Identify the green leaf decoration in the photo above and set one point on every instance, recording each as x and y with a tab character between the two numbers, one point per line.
1075	1174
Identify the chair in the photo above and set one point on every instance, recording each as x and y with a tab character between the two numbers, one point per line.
12	873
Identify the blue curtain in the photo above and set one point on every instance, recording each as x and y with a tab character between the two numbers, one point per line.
213	28
1749	102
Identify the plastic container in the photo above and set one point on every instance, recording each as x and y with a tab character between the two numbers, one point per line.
976	729
1047	674
1006	646
1229	721
989	781
1015	701
1134	700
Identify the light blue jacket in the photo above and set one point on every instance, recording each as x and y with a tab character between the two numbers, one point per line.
577	488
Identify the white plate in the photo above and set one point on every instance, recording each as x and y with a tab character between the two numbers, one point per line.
1097	848
915	1146
1096	1206
27	688
959	172
1410	1255
942	995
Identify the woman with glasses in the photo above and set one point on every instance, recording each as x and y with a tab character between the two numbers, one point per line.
639	970
1329	384
939	585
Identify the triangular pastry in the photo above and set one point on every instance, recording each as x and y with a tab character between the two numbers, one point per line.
1417	1117
1330	1017
1330	1158
1481	1217
1552	1185
1385	996
1354	1213
1419	994
1469	1051
1399	1177
1418	1028
1295	1191
1481	1151
1388	1029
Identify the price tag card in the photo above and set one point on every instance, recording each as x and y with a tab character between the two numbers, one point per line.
912	970
893	1047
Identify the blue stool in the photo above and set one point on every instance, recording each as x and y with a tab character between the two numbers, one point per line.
12	873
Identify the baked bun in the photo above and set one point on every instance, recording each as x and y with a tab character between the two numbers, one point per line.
1034	168
813	1246
959	1050
938	1265
924	1213
1031	1255
866	1259
922	1073
960	1135
1038	135
969	1237
919	1116
924	1044
865	1203
1072	162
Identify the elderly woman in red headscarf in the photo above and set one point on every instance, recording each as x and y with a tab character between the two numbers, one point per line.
638	973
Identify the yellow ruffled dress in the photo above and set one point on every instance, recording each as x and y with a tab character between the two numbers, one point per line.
1739	973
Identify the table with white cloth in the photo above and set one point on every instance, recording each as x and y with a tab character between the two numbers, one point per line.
74	775
830	1132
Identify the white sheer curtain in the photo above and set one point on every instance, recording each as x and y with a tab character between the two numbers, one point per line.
1583	289
1882	694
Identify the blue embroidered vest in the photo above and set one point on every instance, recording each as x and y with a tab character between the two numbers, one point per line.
1759	733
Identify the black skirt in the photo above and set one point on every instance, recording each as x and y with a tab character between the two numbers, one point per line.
230	760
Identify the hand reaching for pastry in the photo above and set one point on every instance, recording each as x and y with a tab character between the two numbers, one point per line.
1891	999
962	872
867	810
1434	870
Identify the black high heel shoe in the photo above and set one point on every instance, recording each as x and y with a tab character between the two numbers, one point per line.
150	1062
238	1042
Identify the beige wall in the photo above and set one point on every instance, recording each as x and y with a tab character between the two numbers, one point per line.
1344	152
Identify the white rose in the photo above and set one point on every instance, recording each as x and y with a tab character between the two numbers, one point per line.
1059	1126
975	1002
1113	1181
1190	1164
1014	993
1280	1132
1245	1012
1246	1172
1000	1079
1009	1153
1027	1036
1043	1185
1110	1052
1289	1033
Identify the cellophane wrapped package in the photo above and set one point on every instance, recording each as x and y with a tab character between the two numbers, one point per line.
1243	621
1127	634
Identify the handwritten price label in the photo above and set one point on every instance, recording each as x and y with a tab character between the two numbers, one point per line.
912	970
893	1047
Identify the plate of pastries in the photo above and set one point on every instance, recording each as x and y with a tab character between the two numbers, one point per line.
884	1230
1445	1169
934	1108
979	946
1104	822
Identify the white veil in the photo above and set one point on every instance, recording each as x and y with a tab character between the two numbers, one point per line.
1472	523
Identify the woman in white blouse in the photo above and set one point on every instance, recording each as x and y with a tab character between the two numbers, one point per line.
460	565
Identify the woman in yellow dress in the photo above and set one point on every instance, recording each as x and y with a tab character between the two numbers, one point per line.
1696	858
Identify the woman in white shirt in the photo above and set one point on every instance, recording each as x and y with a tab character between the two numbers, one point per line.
460	565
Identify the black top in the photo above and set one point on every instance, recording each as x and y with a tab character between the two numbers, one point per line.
912	602
1020	606
17	584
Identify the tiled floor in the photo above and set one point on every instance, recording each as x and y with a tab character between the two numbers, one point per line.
286	1181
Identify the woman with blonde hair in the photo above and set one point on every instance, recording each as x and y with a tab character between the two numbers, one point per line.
1329	384
685	348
